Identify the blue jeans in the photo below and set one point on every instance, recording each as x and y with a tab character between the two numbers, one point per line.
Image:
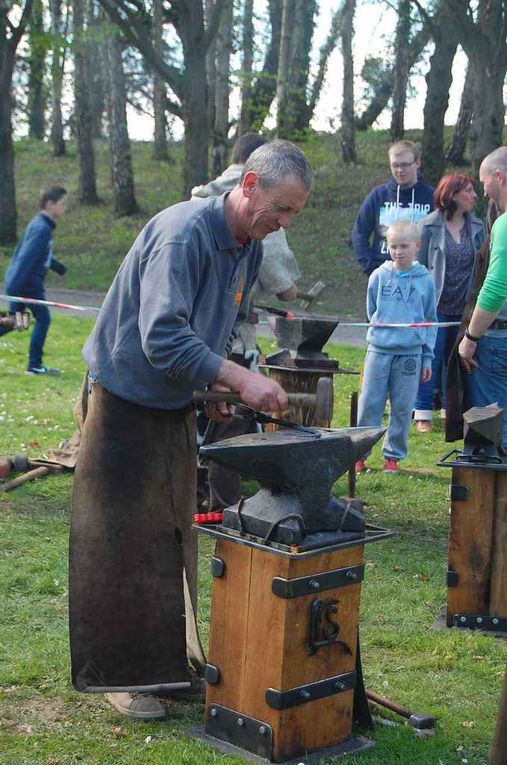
446	337
42	321
386	375
488	384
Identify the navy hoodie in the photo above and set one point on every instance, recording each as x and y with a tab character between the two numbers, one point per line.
401	297
31	260
384	205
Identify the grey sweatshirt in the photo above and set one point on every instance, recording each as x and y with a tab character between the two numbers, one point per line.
168	317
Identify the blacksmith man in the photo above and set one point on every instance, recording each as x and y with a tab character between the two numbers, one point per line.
164	331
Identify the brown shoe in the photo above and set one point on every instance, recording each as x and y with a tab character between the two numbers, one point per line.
423	426
137	706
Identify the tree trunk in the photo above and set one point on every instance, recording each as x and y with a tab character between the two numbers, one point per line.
293	63
456	153
325	53
401	70
37	55
301	61
83	119
264	89
383	90
159	89
211	70
222	72
485	43
96	79
488	120
246	69
438	80
195	115
121	161
57	64
8	213
10	36
348	130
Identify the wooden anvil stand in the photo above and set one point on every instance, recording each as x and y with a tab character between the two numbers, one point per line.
477	564
282	652
283	665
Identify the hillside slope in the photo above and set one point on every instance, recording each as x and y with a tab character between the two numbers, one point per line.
92	242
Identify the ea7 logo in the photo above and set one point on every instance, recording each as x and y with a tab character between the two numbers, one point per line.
388	291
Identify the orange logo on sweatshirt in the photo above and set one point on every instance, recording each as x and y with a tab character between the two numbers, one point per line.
239	295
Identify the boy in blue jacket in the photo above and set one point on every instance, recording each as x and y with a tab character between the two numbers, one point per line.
28	268
401	291
406	196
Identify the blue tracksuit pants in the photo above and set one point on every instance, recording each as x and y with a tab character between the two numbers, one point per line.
397	377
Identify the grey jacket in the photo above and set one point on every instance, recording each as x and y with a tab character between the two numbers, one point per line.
167	319
432	254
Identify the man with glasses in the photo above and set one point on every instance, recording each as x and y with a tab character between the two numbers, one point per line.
406	196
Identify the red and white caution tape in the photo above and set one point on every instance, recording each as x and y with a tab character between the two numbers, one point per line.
416	324
35	301
365	324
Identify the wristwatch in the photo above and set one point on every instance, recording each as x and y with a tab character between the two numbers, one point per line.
471	337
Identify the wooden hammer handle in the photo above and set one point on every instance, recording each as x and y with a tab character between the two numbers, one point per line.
29	476
295	399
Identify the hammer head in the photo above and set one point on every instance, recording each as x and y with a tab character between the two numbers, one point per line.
312	293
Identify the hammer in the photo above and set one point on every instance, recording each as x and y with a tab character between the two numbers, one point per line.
19	321
321	401
419	720
20	464
309	297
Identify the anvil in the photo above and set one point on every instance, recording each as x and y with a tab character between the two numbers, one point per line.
296	471
302	339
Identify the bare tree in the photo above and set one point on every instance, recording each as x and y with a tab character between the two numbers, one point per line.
246	68
401	70
58	33
189	83
211	69
94	56
348	128
456	153
438	80
121	161
482	30
159	88
10	36
265	84
38	45
293	64
83	115
325	52
382	86
223	45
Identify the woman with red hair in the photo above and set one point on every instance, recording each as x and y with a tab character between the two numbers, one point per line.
451	239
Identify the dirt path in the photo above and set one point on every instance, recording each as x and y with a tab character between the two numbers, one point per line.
355	336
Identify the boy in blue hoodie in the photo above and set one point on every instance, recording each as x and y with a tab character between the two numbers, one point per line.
406	196
25	275
401	291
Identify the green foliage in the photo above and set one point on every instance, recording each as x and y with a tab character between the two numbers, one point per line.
453	674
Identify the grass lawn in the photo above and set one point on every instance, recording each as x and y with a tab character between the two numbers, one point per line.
453	674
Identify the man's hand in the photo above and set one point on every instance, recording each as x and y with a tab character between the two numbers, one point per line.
255	389
262	393
219	411
466	352
426	374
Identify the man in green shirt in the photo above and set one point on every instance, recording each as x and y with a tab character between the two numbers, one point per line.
483	350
